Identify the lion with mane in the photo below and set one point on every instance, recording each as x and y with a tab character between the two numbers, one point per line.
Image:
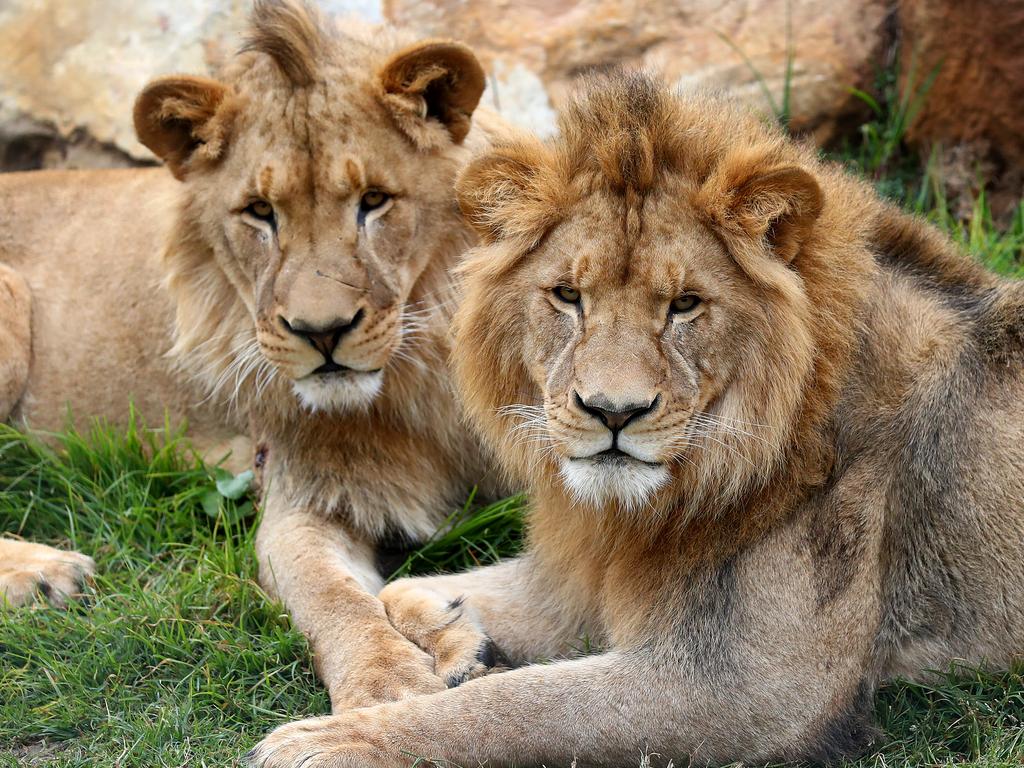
290	284
773	431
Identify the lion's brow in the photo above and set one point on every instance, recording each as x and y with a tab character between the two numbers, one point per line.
266	181
354	171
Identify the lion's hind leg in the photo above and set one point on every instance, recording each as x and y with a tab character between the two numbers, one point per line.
28	571
15	338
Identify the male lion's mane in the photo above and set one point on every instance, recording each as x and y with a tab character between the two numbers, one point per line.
622	134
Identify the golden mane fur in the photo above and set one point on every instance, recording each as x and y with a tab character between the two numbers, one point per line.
624	136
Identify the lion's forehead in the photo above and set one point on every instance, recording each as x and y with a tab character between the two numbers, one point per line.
331	139
594	251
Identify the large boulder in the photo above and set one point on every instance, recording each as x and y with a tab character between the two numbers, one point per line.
972	110
71	68
535	49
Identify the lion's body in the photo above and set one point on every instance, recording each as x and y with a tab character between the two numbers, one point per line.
815	410
89	245
930	451
292	285
86	334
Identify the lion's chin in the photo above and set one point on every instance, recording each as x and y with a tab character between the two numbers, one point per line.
337	393
597	483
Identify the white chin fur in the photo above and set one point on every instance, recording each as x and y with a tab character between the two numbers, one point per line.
596	483
335	392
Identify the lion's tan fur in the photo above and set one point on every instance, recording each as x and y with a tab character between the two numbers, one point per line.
171	292
835	428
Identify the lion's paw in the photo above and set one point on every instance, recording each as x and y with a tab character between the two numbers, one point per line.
28	570
446	629
320	742
390	669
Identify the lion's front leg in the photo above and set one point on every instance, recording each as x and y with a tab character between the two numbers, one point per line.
15	338
606	710
597	710
469	622
28	570
326	578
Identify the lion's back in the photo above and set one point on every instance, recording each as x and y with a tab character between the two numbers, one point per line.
51	217
89	245
936	409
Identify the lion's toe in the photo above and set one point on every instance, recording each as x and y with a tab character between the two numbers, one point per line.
464	654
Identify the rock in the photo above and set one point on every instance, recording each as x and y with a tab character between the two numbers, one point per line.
28	144
973	107
75	65
730	45
71	68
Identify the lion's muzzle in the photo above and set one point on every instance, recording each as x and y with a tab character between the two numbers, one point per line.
324	340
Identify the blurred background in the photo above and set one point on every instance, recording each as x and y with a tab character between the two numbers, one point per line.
942	80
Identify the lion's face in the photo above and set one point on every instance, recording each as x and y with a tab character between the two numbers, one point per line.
633	328
326	242
321	174
629	344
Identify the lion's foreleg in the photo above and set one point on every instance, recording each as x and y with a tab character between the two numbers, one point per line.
15	338
470	621
746	666
607	710
325	576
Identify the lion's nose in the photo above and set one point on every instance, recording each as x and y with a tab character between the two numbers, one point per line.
615	417
324	339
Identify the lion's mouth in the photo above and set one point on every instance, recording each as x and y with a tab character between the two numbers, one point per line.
331	367
615	456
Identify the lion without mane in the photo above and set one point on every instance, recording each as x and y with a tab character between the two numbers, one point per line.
290	285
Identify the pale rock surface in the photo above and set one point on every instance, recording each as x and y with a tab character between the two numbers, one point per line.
71	68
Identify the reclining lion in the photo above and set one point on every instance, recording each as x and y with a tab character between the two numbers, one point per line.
775	444
289	283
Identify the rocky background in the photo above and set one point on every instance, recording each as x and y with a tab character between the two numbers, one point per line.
69	69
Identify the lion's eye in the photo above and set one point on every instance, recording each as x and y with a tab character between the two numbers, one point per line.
685	303
262	210
567	294
372	200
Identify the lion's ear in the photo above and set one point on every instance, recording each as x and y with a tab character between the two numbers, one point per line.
778	206
180	118
432	86
510	192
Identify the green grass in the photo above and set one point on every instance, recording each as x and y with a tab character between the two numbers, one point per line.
181	660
